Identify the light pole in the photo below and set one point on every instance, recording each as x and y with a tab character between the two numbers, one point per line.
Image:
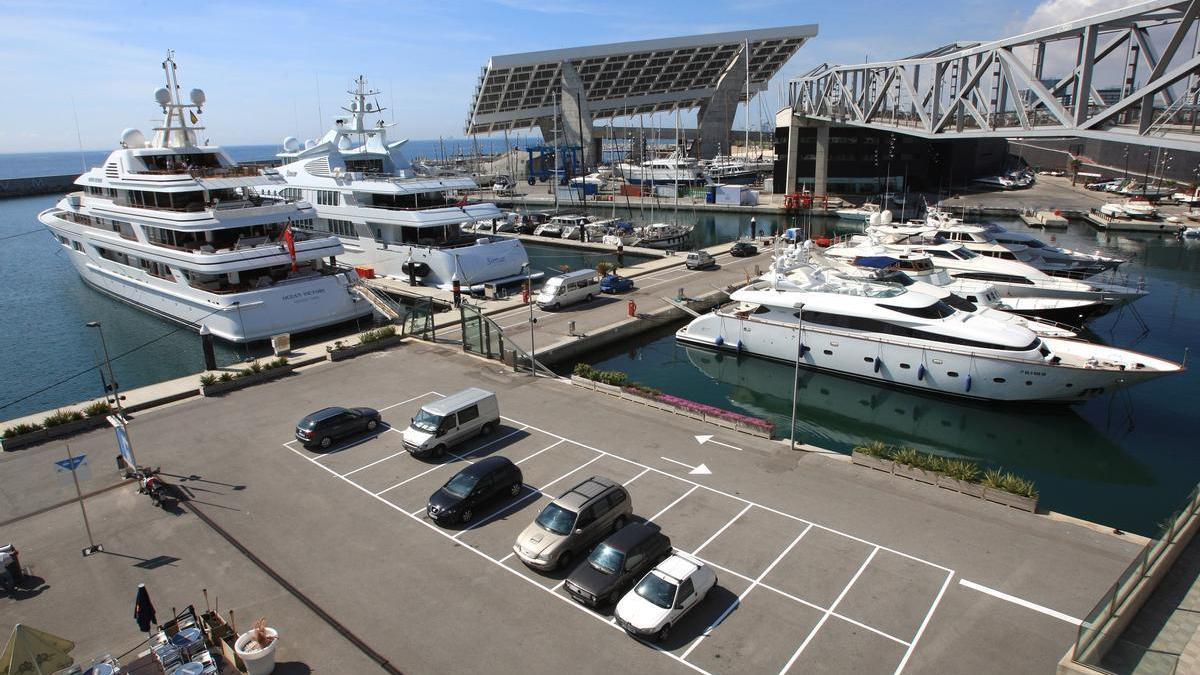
532	320
796	375
108	365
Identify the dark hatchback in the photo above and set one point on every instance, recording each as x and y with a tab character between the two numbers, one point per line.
617	563
743	249
474	486
322	428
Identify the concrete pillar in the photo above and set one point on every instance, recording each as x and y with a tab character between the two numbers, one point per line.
716	116
821	162
576	122
793	153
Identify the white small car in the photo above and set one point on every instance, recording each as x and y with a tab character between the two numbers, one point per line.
664	595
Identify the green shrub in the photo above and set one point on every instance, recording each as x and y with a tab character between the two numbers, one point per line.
877	449
337	344
963	470
614	377
643	390
255	368
60	417
908	456
98	409
935	463
1018	486
226	377
208	379
585	370
19	429
275	363
375	335
993	478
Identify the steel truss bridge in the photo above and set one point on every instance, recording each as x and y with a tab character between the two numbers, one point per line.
1128	76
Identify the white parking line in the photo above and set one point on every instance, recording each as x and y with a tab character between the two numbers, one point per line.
724	527
668	506
924	623
556	443
1018	601
643	473
409	400
343	448
740	598
568	601
497	513
394	454
825	617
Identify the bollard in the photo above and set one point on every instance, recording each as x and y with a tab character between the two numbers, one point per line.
680	295
457	290
570	328
632	308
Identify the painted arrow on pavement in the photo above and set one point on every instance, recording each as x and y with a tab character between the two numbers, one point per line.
701	470
707	438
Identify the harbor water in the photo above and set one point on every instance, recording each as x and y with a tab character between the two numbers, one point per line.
1122	460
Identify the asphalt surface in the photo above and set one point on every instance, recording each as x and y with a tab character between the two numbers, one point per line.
821	566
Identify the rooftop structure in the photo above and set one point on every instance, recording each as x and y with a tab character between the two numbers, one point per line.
579	85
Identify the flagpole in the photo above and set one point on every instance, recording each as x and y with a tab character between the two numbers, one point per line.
92	547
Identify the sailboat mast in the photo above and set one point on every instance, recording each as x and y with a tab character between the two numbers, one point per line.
747	122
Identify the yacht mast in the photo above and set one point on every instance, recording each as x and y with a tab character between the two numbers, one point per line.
747	148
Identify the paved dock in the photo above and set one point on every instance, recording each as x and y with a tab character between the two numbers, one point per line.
822	566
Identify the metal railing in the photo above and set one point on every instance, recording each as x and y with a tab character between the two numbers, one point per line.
1111	603
484	337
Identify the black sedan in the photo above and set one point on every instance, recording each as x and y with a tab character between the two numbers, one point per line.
326	425
474	486
616	565
743	249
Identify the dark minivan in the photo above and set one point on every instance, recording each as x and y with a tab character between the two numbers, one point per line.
328	424
617	563
474	486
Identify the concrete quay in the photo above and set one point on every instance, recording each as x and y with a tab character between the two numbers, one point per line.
36	185
822	566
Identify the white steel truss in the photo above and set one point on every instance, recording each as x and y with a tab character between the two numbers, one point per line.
1128	76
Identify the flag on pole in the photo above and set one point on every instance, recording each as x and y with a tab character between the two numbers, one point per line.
290	240
195	120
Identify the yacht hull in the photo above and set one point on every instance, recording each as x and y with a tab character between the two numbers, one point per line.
499	258
288	307
961	374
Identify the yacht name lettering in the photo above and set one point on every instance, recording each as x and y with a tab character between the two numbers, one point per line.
294	296
1033	372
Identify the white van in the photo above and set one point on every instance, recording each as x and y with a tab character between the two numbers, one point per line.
568	289
450	421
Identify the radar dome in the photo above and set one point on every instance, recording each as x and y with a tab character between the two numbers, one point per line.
132	138
369	107
310	143
354	106
885	217
291	144
197	96
162	95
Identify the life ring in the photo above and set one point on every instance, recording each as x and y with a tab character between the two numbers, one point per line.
823	242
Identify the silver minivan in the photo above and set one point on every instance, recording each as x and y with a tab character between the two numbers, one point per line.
568	289
450	421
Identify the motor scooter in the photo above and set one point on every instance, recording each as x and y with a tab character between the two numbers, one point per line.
152	485
10	573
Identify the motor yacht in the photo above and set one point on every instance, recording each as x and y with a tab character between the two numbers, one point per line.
866	213
885	333
673	170
1012	278
390	217
178	229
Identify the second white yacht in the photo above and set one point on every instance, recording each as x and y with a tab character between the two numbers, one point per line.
389	218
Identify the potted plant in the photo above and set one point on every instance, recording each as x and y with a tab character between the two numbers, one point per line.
256	648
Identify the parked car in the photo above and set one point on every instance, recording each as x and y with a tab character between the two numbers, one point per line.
474	486
742	249
664	596
697	260
451	420
326	425
568	289
612	283
617	563
572	523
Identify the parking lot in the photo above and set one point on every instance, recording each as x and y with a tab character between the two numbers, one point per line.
792	594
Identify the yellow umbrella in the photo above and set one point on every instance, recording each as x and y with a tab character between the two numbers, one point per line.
34	652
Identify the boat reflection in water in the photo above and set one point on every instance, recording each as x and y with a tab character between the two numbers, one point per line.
840	413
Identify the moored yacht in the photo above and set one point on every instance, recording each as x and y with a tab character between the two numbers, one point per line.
673	170
389	217
178	229
888	334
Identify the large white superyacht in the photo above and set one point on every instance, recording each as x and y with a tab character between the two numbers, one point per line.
885	333
177	229
389	217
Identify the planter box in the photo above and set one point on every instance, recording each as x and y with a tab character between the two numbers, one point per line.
583	382
60	431
884	465
218	388
1009	499
913	473
607	388
971	489
351	352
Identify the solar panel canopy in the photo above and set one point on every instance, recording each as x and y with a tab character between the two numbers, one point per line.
628	78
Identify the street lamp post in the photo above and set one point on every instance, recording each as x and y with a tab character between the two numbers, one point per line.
108	366
796	375
532	320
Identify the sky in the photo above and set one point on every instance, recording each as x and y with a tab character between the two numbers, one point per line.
268	68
